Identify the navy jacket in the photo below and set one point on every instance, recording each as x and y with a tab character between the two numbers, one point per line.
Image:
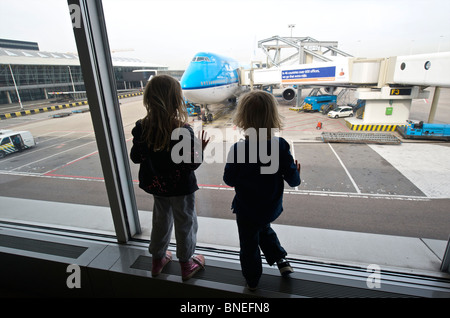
158	173
259	196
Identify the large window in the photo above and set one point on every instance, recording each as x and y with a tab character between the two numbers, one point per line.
354	198
55	180
357	203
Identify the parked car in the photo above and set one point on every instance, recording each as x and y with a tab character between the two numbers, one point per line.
341	111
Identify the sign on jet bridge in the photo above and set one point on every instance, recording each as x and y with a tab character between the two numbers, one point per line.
309	74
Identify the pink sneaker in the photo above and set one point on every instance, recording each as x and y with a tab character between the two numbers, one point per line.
189	268
158	264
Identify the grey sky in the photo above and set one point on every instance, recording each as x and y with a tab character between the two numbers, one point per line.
170	32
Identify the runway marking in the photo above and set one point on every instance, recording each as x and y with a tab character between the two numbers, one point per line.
359	195
69	163
345	169
53	137
51	174
228	188
33	150
58	153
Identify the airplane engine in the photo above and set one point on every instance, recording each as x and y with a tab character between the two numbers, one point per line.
288	94
330	89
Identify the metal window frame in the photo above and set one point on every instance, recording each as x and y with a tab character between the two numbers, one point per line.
93	48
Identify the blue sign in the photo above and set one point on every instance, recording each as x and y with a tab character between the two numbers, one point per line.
309	74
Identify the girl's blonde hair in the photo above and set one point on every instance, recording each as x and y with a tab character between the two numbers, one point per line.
166	110
258	109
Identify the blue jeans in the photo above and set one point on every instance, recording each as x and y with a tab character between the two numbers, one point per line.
252	237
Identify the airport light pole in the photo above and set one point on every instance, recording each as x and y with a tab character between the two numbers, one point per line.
439	45
15	86
291	26
71	78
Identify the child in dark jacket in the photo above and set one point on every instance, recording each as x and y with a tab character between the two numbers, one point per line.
257	168
171	181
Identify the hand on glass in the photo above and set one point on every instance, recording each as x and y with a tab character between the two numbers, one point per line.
203	139
297	165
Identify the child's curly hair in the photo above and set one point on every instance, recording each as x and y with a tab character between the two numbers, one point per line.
258	109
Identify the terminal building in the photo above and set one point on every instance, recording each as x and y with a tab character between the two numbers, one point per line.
38	75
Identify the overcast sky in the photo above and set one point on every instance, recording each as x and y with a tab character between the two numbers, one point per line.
170	32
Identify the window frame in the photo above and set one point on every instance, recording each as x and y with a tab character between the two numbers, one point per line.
91	38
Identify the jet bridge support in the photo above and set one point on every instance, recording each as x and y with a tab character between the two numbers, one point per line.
437	94
400	80
385	108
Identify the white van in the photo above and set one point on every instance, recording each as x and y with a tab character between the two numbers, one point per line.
13	141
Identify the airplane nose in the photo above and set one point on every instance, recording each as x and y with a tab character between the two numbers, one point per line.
191	78
191	82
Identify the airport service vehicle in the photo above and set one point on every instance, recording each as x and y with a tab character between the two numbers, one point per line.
341	111
13	141
210	79
421	130
319	103
192	109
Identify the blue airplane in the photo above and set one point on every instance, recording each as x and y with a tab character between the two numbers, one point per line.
211	79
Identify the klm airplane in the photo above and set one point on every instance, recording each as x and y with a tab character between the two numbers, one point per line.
210	79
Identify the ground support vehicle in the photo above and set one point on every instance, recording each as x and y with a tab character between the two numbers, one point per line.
192	109
421	130
14	141
322	103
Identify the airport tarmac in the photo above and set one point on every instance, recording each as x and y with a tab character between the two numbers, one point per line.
364	188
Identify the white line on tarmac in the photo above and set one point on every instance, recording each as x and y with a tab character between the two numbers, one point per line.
56	154
226	188
50	139
346	171
71	162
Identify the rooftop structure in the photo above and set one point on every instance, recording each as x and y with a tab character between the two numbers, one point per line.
14	44
300	50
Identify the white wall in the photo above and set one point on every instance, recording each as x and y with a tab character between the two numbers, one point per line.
375	112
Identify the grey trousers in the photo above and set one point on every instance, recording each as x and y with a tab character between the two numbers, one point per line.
167	211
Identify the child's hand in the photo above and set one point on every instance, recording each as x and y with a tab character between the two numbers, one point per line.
203	139
297	164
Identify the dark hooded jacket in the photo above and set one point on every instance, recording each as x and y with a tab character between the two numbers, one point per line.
259	196
159	174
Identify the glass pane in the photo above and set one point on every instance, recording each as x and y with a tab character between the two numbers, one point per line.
50	172
357	202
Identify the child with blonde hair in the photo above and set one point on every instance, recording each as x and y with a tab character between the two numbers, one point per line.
258	192
171	182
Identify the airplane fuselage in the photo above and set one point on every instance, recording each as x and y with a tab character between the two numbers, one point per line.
210	79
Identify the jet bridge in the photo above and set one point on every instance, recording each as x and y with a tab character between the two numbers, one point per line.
387	85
